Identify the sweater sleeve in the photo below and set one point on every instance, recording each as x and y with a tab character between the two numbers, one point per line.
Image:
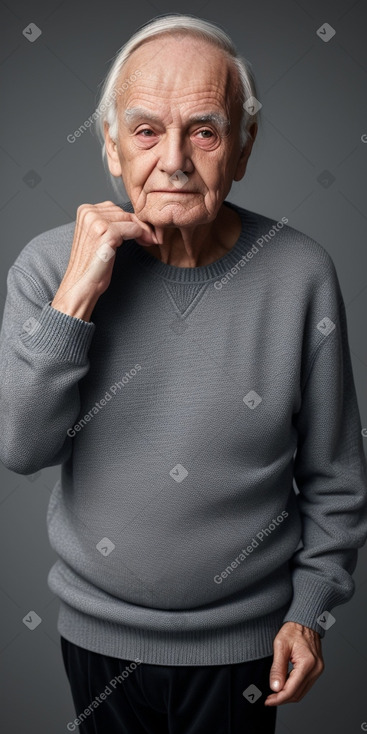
329	469
43	355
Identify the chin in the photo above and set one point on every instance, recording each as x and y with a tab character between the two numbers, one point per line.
176	215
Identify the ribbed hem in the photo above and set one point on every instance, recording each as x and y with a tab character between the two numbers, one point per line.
311	599
56	333
203	273
250	640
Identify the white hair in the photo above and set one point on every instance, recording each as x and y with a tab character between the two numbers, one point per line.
173	23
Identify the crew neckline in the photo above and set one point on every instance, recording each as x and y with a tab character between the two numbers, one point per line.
201	273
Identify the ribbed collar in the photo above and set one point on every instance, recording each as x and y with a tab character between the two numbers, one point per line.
201	273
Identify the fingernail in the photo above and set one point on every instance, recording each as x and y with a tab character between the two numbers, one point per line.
275	684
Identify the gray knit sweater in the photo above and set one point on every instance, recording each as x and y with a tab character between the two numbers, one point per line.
213	482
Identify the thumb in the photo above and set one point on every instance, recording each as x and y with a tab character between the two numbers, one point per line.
130	230
279	668
147	235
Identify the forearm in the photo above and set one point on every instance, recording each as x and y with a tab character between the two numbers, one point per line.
41	367
75	301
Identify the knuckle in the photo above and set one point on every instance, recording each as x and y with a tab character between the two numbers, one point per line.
97	227
82	207
318	660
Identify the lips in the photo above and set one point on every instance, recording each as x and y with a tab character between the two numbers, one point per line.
171	191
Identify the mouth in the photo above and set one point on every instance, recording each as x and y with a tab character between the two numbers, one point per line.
171	191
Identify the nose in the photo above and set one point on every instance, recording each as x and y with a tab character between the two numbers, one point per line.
174	154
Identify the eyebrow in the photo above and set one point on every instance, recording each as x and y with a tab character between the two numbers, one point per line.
131	114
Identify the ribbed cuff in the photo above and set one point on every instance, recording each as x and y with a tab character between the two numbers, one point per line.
56	333
311	598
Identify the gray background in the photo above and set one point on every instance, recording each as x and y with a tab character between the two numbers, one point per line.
314	116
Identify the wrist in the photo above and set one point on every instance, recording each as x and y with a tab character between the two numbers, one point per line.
78	306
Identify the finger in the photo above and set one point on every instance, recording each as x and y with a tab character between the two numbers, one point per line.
298	679
147	239
279	668
105	205
113	213
147	234
123	227
119	231
276	699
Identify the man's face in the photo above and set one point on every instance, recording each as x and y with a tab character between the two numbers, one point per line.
161	133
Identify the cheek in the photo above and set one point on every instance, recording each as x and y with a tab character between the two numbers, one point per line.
139	166
215	180
212	168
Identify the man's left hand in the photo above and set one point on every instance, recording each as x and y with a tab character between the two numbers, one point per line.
302	647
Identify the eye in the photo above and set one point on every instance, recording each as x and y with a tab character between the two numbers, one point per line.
146	130
206	133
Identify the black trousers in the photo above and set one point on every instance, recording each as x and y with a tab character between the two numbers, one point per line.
166	699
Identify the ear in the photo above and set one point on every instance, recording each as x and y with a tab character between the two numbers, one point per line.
113	159
245	154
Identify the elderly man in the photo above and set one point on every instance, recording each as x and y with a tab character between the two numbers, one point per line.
185	360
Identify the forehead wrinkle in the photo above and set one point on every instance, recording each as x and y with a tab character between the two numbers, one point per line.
180	100
131	114
157	86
